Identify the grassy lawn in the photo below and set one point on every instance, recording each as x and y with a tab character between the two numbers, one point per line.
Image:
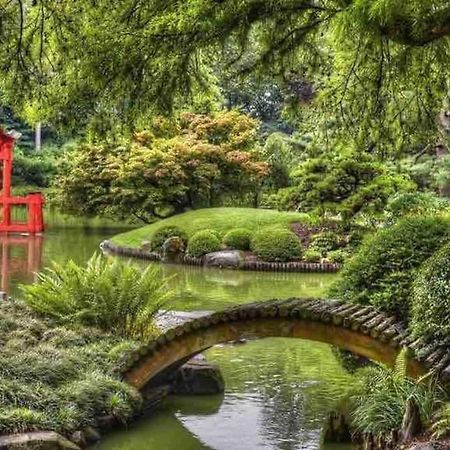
55	377
219	219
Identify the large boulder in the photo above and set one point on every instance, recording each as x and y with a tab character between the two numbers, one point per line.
198	377
225	258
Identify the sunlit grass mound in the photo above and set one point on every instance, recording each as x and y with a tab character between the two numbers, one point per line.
60	378
221	220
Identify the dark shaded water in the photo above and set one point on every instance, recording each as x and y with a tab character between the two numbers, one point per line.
278	391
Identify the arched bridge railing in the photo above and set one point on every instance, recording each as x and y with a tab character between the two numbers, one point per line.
360	329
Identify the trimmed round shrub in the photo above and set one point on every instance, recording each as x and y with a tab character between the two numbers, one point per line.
203	242
430	312
382	272
337	256
276	245
239	239
325	242
162	234
312	256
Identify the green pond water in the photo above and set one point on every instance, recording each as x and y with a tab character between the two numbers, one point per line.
278	391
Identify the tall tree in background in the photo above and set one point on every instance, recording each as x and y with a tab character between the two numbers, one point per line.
380	65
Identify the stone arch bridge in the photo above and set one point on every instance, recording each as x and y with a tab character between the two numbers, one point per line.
360	329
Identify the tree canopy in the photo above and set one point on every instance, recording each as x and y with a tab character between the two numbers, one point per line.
84	61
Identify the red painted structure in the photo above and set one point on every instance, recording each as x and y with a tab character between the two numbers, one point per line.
33	202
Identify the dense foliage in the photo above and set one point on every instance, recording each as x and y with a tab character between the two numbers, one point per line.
60	378
415	204
431	297
112	295
325	242
385	60
345	183
275	244
195	162
203	242
383	270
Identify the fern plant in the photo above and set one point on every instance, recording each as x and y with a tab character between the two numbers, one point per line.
379	405
113	295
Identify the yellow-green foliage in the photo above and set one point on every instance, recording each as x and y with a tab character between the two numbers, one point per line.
149	177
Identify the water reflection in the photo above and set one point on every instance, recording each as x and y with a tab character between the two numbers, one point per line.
278	395
21	257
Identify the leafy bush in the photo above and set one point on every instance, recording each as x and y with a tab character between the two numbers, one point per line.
431	297
312	256
325	242
275	244
111	295
382	272
238	239
337	256
203	242
162	234
380	404
414	204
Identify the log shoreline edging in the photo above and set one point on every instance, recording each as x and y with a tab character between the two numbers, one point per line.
257	266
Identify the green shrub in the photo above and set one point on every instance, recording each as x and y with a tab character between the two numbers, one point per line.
312	256
203	242
238	239
382	272
112	295
414	204
325	242
162	234
356	237
337	256
430	316
275	244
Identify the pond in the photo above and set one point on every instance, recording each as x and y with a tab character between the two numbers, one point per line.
278	391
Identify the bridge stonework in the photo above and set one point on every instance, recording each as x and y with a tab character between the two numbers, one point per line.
360	329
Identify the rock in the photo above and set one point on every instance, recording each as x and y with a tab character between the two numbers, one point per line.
78	438
107	422
146	246
224	258
39	440
198	377
411	425
422	446
173	250
91	434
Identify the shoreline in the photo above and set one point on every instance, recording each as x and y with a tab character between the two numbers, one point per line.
108	246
